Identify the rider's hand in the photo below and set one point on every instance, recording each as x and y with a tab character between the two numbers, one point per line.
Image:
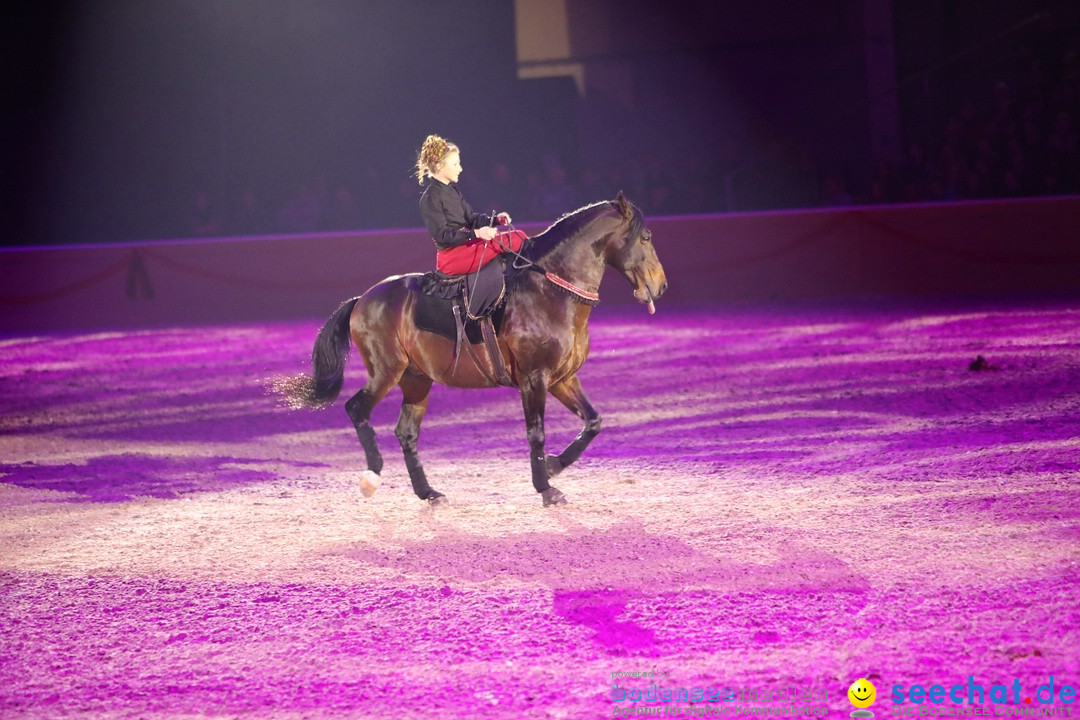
502	219
485	233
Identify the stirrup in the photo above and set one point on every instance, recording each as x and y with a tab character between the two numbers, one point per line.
494	370
487	329
460	332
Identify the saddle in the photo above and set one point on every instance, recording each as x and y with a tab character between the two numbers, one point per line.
468	309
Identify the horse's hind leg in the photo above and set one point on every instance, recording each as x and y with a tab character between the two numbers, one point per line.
415	390
359	408
570	393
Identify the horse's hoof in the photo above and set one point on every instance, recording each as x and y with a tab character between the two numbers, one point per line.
369	483
437	498
553	496
554	467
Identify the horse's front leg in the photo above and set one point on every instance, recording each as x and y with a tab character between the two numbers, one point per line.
570	393
533	399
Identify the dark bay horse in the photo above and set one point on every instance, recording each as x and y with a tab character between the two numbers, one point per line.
544	341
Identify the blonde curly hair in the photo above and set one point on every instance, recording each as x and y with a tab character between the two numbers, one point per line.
432	152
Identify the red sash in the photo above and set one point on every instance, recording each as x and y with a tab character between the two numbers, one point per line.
473	255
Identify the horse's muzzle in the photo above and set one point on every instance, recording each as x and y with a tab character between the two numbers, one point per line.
645	293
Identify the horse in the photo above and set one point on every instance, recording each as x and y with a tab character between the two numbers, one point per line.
543	342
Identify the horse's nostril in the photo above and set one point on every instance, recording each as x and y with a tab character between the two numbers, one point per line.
663	287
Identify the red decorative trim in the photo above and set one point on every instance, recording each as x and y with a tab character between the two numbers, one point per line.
565	285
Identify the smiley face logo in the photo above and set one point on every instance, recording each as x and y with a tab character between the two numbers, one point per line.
862	693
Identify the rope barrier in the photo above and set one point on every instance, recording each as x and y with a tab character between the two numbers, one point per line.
964	254
138	272
804	238
115	269
231	279
823	232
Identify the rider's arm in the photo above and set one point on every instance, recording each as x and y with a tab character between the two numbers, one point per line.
447	225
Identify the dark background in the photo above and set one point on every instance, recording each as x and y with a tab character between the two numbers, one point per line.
117	115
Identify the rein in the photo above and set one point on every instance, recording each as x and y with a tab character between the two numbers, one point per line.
523	263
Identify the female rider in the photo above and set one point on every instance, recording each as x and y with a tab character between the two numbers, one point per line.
465	240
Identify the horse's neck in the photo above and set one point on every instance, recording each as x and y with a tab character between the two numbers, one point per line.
578	259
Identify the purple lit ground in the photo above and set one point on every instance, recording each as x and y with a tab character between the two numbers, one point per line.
777	497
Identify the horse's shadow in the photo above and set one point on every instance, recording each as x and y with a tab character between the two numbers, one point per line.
600	610
123	477
611	580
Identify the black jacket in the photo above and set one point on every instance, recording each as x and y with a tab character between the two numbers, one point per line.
447	216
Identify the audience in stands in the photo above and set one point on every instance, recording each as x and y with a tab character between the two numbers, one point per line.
1020	137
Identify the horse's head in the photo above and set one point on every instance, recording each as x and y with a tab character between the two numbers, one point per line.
632	253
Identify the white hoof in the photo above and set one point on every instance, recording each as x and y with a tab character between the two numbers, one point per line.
369	483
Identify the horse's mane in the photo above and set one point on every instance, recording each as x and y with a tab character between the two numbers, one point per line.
574	222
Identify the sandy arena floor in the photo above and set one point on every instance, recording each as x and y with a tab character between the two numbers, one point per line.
780	499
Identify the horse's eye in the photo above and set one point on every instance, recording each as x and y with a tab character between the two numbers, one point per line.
646	238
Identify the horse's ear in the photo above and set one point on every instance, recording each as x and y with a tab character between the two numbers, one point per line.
624	205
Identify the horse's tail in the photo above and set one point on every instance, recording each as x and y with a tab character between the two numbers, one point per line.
327	364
